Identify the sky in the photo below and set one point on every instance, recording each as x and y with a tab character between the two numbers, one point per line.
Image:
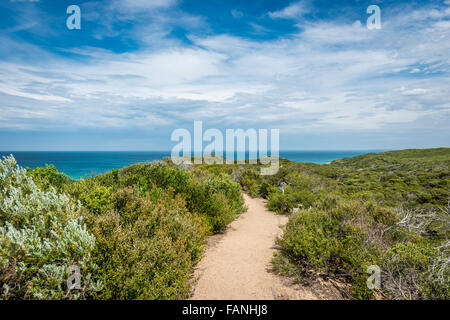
137	70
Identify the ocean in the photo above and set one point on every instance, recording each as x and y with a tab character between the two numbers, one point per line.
79	164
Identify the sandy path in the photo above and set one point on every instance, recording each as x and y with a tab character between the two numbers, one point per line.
235	266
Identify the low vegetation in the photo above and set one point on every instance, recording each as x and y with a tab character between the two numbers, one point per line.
135	233
389	209
42	234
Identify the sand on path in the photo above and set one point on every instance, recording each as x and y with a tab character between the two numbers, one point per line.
237	264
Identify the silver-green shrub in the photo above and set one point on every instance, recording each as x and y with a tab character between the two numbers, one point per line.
41	236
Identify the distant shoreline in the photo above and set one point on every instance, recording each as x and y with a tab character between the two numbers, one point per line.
78	164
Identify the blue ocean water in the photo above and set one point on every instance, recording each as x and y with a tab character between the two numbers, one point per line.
78	164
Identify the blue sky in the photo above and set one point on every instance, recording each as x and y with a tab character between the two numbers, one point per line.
139	69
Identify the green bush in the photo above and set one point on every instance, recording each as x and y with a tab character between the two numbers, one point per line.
327	242
265	189
410	262
354	212
279	202
146	249
291	198
335	238
47	177
97	200
249	186
41	236
437	285
150	221
145	230
217	197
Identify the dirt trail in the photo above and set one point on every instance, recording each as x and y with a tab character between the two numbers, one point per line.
236	264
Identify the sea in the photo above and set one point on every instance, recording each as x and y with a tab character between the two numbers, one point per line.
79	164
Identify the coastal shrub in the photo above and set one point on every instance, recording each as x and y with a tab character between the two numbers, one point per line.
249	186
291	198
146	175
397	178
418	265
216	196
335	238
145	230
47	177
76	189
438	284
355	212
328	241
279	202
97	200
93	195
150	221
264	189
41	236
220	212
222	184
408	262
383	216
147	246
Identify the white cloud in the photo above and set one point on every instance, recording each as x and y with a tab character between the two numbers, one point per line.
329	33
329	76
413	92
137	5
292	11
40	97
237	14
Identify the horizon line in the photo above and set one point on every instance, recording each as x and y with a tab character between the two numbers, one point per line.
169	151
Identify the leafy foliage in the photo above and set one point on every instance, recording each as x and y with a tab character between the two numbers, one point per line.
388	209
47	177
146	224
146	248
145	230
216	197
41	236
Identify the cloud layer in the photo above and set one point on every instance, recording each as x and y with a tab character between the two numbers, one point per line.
326	77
